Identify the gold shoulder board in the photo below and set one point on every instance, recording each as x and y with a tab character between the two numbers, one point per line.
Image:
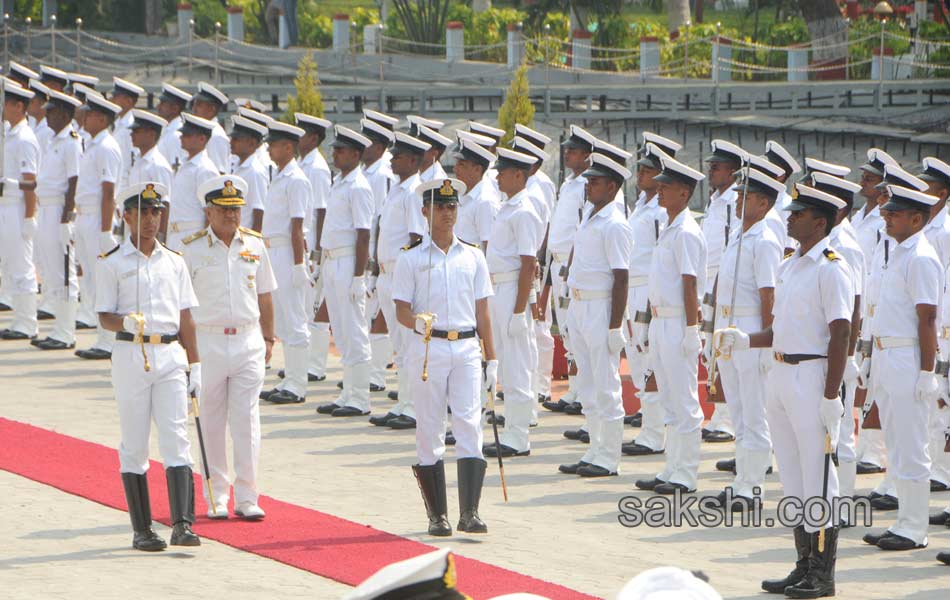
105	254
193	237
830	254
249	231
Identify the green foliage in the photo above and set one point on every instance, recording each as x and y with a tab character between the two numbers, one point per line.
308	99
315	30
865	50
517	107
613	33
207	12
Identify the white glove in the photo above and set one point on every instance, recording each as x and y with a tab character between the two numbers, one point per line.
864	373
943	400
358	288
194	380
831	411
615	340
300	276
707	352
566	341
517	324
132	322
106	241
641	332
766	360
851	370
420	326
928	387
28	229
490	375
314	271
691	342
65	233
730	340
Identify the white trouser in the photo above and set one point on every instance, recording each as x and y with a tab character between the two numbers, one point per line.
939	422
319	348
515	366
721	419
143	396
557	292
16	266
652	432
904	422
173	239
589	321
677	382
545	343
846	450
88	227
378	342
57	272
290	320
231	379
455	377
347	318
871	446
401	337
794	394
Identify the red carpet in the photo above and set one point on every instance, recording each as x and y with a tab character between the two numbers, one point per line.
317	542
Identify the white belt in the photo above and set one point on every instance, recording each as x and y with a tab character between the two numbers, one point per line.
331	253
52	201
883	343
185	226
387	267
88	209
9	200
667	312
739	311
590	294
561	257
227	330
497	278
278	241
637	281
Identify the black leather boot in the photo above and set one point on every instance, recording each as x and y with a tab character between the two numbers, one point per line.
181	504
471	475
431	480
140	512
803	550
820	580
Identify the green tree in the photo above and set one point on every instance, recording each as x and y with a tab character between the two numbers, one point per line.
517	107
308	99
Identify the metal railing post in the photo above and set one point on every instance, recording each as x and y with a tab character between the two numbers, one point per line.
6	38
686	53
52	37
217	41
191	39
29	37
78	44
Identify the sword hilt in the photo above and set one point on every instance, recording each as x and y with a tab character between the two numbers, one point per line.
427	318
141	328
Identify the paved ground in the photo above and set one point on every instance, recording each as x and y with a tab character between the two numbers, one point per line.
555	527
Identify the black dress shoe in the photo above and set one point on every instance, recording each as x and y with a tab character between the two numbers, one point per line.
635	449
42	315
339	385
866	468
634	420
350	411
726	466
572	468
281	374
506	451
738	504
286	397
944	557
574	434
875	538
51	344
37	341
938	486
377	388
393	395
719	437
585	438
148	541
94	354
669	488
500	396
574	408
383	420
449	438
941	518
402	422
5	307
326	409
558	406
264	395
12	334
872	495
492	419
81	325
182	535
898	542
310	376
542	398
595	471
886	502
648	484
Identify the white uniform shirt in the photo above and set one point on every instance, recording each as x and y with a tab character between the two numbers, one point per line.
548	189
603	242
778	226
43	132
845	244
100	164
435	171
164	286
170	142
681	250
938	234
868	227
811	292
759	262
567	214
315	167
719	222
60	162
122	133
21	154
514	234
647	221
535	194
380	177
350	207
476	213
457	278
400	215
151	167
219	148
287	198
185	205
914	275
255	174
228	279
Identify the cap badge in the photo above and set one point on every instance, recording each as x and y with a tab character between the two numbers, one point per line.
229	191
446	189
149	193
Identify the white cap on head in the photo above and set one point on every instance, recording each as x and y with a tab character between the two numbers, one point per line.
347	138
579	138
65	100
836	186
877	160
278	130
894	175
650	156
446	189
507	159
23	71
249	127
526	146
47	72
383	119
535	137
604	166
481	140
667	145
813	164
809	197
935	170
667	583
310	122
723	151
486	130
90	80
760	163
902	198
436	139
614	152
99	103
257	117
173	94
121	86
433	570
405	142
143	118
376	132
761	183
469	149
196	123
418	121
251	103
777	154
209	93
12	87
676	172
223	190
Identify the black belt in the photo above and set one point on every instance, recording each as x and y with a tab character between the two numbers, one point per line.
125	336
453	334
794	359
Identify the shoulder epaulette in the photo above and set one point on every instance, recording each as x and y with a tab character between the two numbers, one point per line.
73	134
789	252
412	245
830	254
193	237
105	254
471	244
174	251
250	231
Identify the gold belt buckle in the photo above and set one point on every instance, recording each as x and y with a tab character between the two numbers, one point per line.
452	335
945	332
154	339
576	294
726	310
779	357
878	343
653	311
871	310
